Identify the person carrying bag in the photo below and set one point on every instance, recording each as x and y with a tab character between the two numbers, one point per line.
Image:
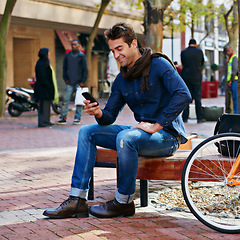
79	97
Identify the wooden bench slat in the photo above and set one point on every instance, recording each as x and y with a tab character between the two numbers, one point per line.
162	168
188	144
150	168
106	155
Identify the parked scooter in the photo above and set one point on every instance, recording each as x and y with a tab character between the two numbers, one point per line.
21	100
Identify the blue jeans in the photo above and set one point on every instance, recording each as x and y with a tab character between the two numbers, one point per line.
69	90
234	90
129	143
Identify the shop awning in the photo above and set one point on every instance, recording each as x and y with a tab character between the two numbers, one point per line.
66	38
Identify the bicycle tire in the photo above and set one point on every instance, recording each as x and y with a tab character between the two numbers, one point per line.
204	185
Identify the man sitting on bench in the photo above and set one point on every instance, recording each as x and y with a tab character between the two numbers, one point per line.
157	95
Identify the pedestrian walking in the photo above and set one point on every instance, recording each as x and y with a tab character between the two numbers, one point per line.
192	61
75	73
156	94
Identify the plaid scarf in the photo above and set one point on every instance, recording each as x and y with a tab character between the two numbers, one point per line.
142	67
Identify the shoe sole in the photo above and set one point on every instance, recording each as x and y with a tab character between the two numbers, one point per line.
76	123
106	216
75	215
61	123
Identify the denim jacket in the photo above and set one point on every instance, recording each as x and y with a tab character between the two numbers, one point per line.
166	98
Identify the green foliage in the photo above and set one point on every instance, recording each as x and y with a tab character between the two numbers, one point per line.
139	4
191	13
214	67
227	16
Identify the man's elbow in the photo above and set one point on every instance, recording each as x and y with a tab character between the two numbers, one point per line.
188	98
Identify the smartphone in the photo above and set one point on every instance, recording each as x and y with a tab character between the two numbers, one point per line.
88	96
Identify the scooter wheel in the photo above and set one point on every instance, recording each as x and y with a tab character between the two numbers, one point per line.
13	111
56	108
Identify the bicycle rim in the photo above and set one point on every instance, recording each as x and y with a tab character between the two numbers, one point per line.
204	183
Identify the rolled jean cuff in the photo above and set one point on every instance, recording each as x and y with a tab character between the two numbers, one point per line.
124	199
76	192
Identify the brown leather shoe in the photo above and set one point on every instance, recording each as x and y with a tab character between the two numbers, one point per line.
112	209
72	207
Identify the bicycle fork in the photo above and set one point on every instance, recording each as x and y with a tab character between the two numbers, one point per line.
230	178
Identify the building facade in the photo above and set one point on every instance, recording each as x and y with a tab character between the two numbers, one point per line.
53	24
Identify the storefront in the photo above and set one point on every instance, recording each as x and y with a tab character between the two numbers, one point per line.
36	24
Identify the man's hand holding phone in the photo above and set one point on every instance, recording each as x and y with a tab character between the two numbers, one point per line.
91	105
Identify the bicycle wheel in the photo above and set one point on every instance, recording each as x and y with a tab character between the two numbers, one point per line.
204	183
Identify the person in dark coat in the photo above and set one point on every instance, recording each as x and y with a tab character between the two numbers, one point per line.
192	61
43	87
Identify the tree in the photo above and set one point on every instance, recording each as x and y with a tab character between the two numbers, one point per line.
153	23
231	23
92	35
193	12
4	27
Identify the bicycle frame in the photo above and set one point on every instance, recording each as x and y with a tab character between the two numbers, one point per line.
230	180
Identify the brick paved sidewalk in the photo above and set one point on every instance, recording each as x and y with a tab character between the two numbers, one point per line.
35	174
32	181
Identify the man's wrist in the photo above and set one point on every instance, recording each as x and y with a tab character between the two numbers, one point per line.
99	114
157	127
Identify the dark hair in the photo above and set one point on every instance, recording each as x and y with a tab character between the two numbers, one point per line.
76	40
227	47
43	53
192	41
121	30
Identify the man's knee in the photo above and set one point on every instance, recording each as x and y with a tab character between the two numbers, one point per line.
85	130
127	137
89	130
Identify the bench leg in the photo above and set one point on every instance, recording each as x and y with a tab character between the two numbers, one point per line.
144	193
91	189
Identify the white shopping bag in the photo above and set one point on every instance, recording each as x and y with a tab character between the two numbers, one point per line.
79	97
